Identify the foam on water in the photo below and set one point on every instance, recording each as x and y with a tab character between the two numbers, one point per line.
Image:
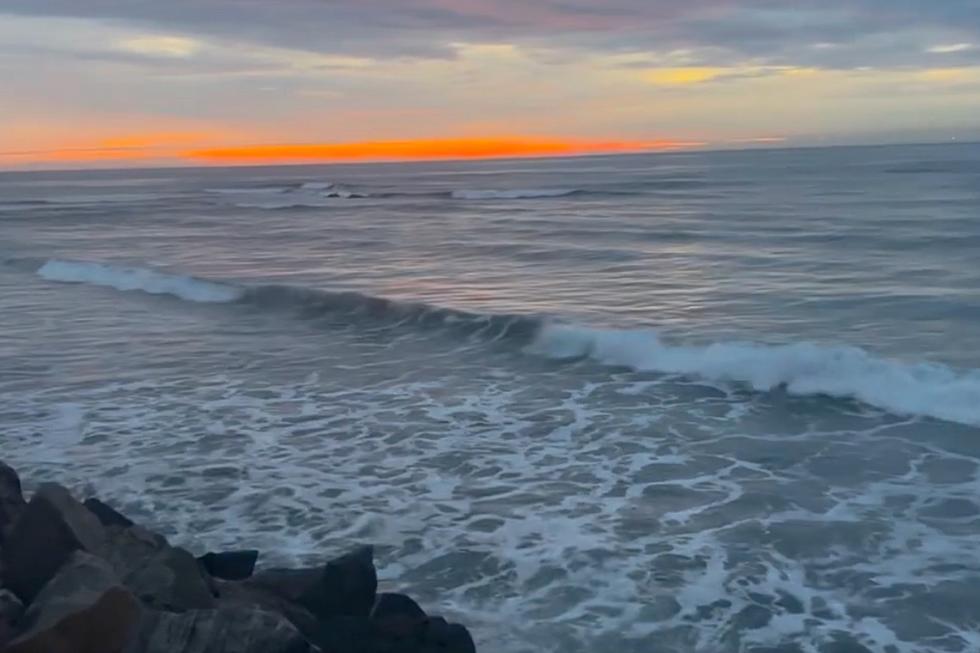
924	389
806	369
142	279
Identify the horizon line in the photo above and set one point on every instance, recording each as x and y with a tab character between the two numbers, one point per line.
695	149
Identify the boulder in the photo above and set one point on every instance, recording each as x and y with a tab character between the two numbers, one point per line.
398	616
346	586
225	630
11	610
172	580
11	499
107	514
230	565
129	549
50	528
455	639
82	609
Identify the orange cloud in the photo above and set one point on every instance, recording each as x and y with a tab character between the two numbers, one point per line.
450	148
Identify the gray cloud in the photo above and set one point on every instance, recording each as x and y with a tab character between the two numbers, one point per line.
854	32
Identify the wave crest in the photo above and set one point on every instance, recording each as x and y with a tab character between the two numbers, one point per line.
915	389
918	389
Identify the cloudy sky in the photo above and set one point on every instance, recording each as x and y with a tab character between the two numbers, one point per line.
137	82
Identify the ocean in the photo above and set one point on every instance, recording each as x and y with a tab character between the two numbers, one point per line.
685	402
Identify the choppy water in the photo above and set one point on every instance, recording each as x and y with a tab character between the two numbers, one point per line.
688	402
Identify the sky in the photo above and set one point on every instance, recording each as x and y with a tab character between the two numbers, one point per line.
198	82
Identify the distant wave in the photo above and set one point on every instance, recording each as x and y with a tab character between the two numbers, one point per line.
513	194
142	279
915	389
307	194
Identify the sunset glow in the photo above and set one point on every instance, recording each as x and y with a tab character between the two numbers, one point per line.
136	84
463	148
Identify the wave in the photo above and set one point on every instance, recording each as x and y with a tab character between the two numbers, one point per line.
142	279
514	194
311	194
805	369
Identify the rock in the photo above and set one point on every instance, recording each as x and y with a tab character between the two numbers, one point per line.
11	498
106	514
172	580
239	630
129	549
11	610
398	616
50	528
346	586
457	640
82	609
237	594
231	565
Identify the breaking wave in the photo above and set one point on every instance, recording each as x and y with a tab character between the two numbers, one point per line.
805	369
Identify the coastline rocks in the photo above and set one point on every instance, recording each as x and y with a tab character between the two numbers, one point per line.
83	578
11	499
11	610
51	527
107	514
345	586
82	609
171	580
230	565
242	630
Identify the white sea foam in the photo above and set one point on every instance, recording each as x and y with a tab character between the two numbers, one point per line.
919	389
513	194
143	279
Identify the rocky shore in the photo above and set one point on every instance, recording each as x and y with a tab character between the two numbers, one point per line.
78	577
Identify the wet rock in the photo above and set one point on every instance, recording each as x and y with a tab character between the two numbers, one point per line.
460	640
11	498
230	565
398	616
11	610
82	609
107	514
130	549
346	586
50	528
232	594
172	580
239	630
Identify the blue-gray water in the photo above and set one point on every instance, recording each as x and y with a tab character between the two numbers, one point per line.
688	402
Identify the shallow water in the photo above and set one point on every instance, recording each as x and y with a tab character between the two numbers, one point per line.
700	401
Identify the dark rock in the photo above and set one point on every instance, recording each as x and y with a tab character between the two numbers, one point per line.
11	499
11	610
106	514
239	630
232	594
351	583
172	580
130	549
230	565
458	640
346	586
398	616
82	609
348	635
50	528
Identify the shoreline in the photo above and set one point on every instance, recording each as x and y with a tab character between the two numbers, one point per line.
81	577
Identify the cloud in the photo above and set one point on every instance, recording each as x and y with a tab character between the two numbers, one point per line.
864	32
179	47
950	49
